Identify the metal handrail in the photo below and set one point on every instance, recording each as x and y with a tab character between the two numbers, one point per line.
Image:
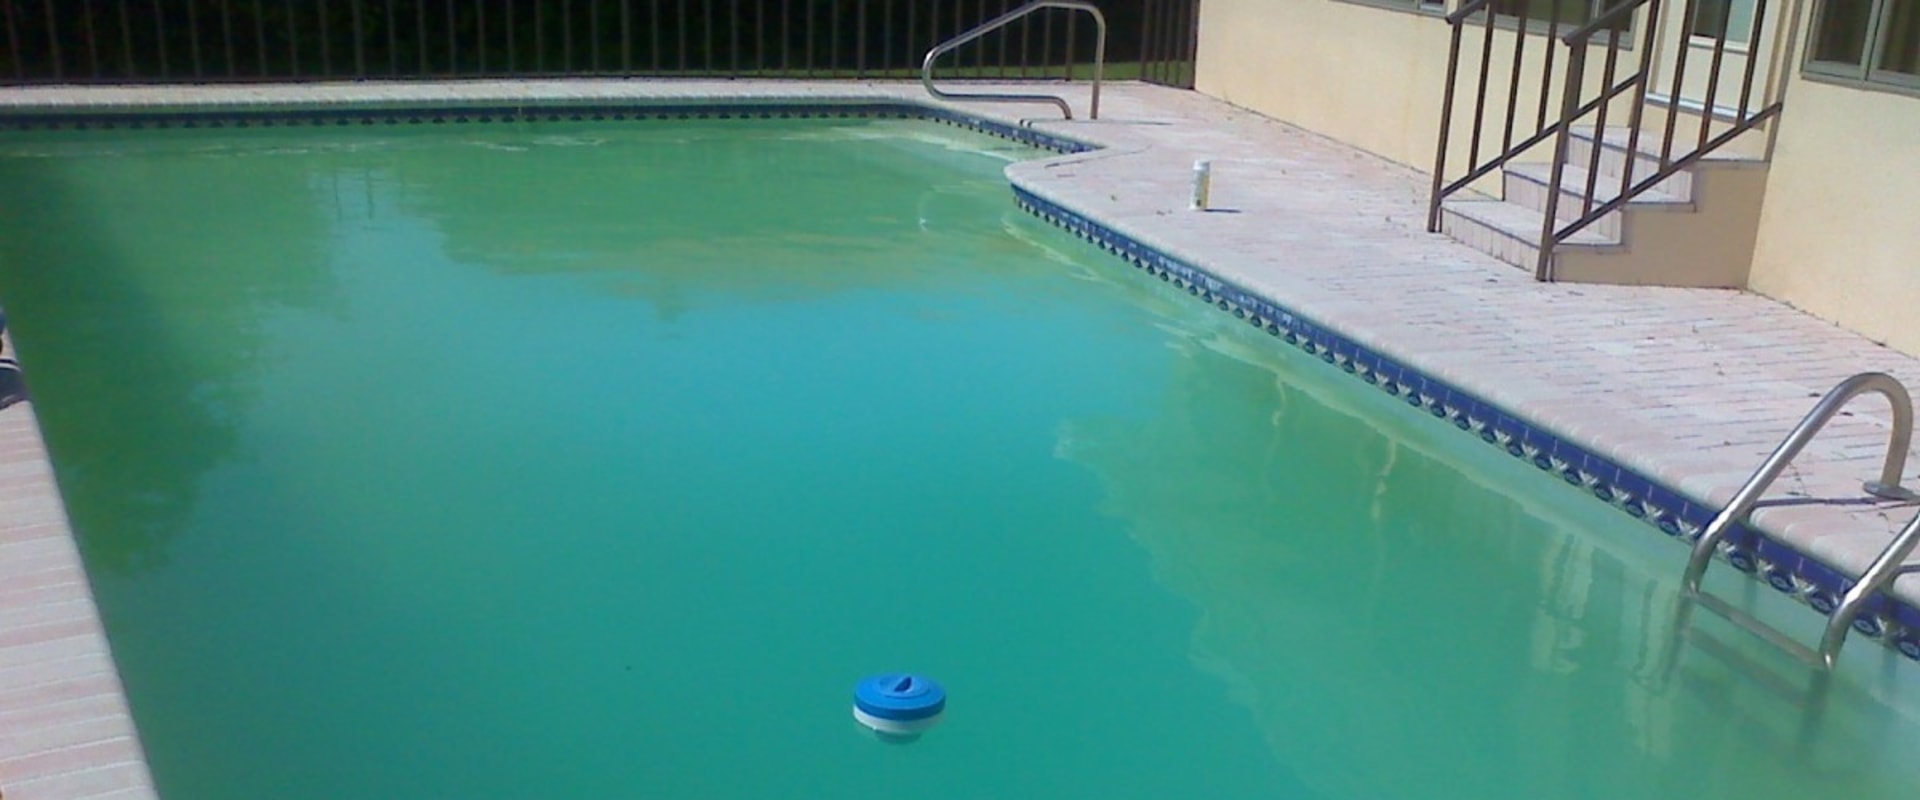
1099	58
1569	87
1887	565
1877	577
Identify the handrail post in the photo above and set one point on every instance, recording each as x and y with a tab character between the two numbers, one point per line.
1569	108
1100	53
1887	487
1446	129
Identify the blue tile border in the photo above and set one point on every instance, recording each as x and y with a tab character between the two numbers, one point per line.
1892	622
350	114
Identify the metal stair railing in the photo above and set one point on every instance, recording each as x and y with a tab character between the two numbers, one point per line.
1608	33
1099	58
1876	578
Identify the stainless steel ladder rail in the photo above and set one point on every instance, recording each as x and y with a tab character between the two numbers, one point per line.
1099	58
1885	567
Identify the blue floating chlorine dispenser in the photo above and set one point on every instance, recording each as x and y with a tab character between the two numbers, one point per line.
899	706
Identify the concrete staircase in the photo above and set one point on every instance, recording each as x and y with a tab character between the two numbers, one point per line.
1696	228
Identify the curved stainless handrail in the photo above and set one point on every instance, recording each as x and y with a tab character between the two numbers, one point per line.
1884	569
1887	565
1099	58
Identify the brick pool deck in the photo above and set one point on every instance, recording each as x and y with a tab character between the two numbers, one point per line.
1689	387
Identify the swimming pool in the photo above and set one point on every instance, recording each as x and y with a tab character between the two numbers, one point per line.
602	459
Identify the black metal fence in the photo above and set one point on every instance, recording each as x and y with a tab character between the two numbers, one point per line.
179	41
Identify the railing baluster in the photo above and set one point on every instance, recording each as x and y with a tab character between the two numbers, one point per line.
810	30
593	36
326	45
93	41
159	31
1024	69
1599	122
480	37
886	40
393	40
513	38
420	37
540	39
453	39
1513	90
910	51
1753	58
1713	73
786	36
193	36
626	37
708	65
566	36
1163	42
1641	80
1146	37
1446	124
1480	96
1190	59
13	42
1569	107
1679	76
1046	42
1073	40
1552	46
260	36
293	45
128	69
226	33
653	36
860	39
359	51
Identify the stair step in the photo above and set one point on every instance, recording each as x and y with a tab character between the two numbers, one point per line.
1686	139
1509	231
1573	184
1526	185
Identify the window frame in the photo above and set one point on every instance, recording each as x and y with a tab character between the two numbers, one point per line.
1867	70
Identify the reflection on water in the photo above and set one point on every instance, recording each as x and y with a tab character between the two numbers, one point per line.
1440	674
139	280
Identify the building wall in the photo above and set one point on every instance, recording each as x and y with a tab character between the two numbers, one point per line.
1369	76
1838	235
1840	228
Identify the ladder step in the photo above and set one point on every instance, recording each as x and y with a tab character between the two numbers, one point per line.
1754	626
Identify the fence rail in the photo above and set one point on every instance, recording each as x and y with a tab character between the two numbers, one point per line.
173	41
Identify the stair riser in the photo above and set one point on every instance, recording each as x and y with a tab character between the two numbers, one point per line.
1522	191
1613	162
1489	240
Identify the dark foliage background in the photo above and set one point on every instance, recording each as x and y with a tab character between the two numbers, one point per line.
109	41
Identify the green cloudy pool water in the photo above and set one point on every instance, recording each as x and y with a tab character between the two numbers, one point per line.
601	460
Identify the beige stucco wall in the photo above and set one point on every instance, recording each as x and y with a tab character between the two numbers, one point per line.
1366	75
1840	228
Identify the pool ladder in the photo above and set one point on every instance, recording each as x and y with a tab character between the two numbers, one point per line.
1099	58
1878	576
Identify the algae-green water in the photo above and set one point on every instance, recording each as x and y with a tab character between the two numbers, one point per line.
602	460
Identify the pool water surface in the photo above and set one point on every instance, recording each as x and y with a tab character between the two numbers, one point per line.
602	460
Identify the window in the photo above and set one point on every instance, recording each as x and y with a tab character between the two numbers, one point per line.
1870	40
1735	17
1565	15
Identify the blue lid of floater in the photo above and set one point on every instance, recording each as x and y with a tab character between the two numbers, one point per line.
899	696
